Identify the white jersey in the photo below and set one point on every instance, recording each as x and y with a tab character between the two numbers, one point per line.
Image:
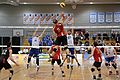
35	41
70	40
110	52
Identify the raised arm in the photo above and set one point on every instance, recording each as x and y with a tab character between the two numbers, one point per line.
42	33
35	32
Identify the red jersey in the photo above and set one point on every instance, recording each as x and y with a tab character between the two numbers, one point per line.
59	29
97	55
57	54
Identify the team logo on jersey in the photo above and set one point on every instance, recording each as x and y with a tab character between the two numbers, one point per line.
69	37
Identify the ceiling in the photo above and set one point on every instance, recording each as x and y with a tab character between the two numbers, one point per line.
70	1
66	1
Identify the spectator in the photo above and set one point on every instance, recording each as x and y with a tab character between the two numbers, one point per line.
82	36
99	35
105	36
118	38
94	36
87	35
113	35
76	38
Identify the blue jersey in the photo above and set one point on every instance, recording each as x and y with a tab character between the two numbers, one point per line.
30	41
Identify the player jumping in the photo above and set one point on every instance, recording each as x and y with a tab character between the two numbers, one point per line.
110	57
34	51
70	52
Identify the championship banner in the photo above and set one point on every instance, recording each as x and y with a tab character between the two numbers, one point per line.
93	17
117	17
37	19
31	19
101	17
25	18
109	17
42	18
47	18
70	19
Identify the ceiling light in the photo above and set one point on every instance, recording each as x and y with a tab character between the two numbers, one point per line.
11	1
57	3
91	2
24	3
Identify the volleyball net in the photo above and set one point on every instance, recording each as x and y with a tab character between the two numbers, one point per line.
60	46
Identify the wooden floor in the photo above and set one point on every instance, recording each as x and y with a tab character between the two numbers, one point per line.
78	73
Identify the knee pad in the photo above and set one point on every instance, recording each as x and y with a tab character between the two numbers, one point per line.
55	49
11	71
114	65
92	69
98	69
107	64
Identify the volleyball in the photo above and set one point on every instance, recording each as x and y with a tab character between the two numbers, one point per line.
62	4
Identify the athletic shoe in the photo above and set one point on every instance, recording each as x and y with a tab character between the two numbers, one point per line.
117	74
38	68
52	73
110	72
9	78
78	64
63	75
94	77
72	67
67	66
28	66
61	65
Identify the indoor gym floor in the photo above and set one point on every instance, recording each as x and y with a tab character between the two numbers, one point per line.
78	73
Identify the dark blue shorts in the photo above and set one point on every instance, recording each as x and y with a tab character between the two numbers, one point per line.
34	52
71	51
109	59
